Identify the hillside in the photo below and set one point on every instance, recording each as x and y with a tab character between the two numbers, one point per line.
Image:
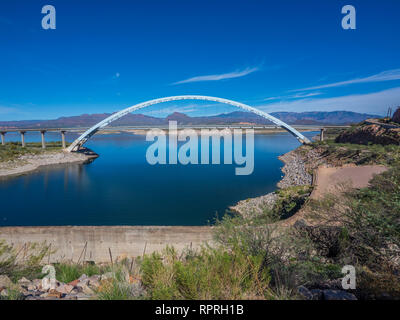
297	118
371	131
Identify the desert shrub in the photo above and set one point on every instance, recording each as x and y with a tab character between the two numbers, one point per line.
67	272
383	284
290	200
24	262
367	221
13	150
13	293
342	153
288	253
117	287
365	232
211	273
372	220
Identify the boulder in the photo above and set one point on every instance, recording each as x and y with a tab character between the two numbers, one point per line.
74	283
84	288
5	282
32	287
24	282
37	283
4	293
65	288
83	277
317	294
338	295
305	293
54	294
95	277
94	284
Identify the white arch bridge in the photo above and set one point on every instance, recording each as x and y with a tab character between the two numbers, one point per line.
90	132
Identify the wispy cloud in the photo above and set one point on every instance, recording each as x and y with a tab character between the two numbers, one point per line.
223	76
388	75
294	96
373	103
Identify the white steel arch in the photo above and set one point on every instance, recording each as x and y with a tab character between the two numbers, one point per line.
87	134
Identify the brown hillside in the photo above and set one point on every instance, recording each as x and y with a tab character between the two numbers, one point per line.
371	132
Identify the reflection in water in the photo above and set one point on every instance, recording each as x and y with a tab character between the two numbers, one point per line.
66	175
121	188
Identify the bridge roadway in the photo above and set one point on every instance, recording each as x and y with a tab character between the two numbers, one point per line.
62	131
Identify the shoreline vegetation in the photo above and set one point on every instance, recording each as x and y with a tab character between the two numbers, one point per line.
16	160
254	255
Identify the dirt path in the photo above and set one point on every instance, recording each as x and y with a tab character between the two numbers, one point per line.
330	180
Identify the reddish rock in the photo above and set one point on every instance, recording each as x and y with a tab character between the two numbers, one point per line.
74	283
54	294
371	133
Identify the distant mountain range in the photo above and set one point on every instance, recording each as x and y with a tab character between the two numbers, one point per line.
237	117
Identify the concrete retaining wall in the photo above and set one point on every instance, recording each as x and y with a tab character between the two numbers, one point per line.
122	241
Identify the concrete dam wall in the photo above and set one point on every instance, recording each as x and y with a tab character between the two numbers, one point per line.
95	243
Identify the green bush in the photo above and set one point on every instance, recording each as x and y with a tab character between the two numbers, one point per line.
67	272
13	150
24	262
368	237
117	287
373	219
290	200
211	273
343	153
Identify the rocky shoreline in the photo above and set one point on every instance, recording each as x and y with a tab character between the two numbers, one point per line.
32	162
83	288
295	174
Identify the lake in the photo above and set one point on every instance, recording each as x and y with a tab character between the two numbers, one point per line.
121	188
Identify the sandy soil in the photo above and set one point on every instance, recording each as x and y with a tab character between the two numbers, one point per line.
328	179
337	179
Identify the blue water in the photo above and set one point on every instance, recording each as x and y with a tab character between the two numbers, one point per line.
121	188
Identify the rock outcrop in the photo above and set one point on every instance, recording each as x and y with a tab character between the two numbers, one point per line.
371	132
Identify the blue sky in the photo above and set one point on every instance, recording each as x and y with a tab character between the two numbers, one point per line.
280	55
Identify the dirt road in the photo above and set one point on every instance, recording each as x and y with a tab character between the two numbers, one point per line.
336	179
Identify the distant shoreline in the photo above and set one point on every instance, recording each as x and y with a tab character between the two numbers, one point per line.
143	132
27	164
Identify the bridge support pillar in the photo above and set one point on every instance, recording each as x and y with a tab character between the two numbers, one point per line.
23	138
43	141
64	145
321	135
3	140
